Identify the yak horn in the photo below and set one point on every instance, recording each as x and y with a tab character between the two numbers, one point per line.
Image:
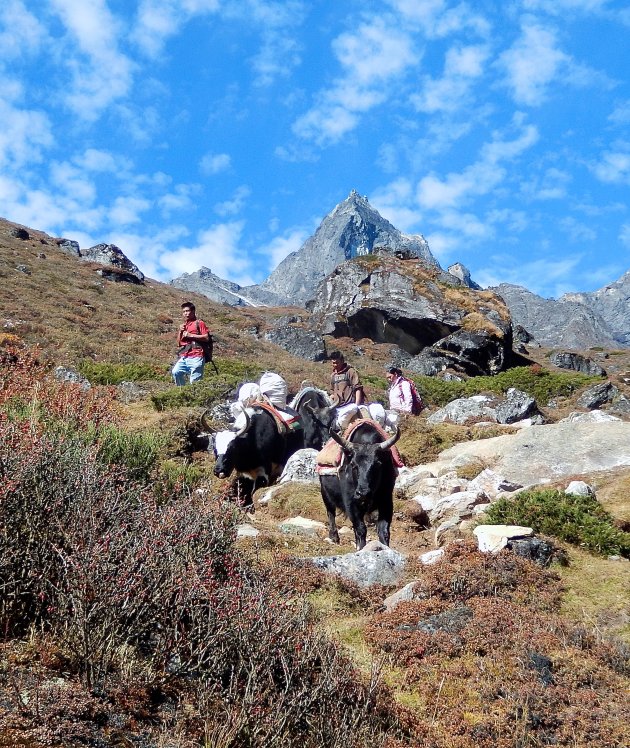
205	423
343	443
388	443
248	423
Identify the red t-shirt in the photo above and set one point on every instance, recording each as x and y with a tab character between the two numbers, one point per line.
191	327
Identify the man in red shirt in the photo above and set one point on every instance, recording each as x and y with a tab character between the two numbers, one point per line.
189	351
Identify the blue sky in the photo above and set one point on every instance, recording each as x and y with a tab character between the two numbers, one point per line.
220	132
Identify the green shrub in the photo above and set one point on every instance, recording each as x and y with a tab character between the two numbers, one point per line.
114	373
212	388
541	384
138	452
580	520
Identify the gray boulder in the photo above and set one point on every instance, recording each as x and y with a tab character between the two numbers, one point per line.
409	305
463	273
579	488
576	362
543	453
71	376
69	246
598	395
374	564
303	343
110	254
516	406
475	353
300	467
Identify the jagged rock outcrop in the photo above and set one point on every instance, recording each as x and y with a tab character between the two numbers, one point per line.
575	362
110	254
612	304
415	307
566	324
463	273
474	353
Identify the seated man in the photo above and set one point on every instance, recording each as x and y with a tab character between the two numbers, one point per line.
345	384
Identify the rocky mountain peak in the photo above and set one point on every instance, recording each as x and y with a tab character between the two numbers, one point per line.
352	229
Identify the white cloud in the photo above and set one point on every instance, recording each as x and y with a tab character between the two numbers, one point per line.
624	235
128	210
614	167
543	277
552	185
577	231
282	246
158	20
214	163
217	248
479	178
435	19
372	57
462	66
145	249
621	113
20	31
24	135
101	161
508	218
235	204
533	63
394	202
559	7
102	73
66	178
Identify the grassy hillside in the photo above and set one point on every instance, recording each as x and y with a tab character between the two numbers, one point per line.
132	614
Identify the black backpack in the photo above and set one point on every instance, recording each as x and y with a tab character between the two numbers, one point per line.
207	346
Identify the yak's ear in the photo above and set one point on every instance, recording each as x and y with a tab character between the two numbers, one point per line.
343	443
388	443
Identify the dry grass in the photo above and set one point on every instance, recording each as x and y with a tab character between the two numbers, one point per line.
597	593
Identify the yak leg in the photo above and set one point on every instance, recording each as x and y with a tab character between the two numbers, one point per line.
385	514
329	486
382	528
360	533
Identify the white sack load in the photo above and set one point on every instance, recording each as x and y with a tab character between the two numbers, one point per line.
248	393
274	388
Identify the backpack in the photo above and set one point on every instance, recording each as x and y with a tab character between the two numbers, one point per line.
206	346
417	406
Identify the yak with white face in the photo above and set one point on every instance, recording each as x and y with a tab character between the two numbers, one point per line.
364	483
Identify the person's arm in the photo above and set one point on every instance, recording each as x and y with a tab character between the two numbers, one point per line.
357	387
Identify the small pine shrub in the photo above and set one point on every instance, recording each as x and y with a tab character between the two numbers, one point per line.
580	520
108	373
137	452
